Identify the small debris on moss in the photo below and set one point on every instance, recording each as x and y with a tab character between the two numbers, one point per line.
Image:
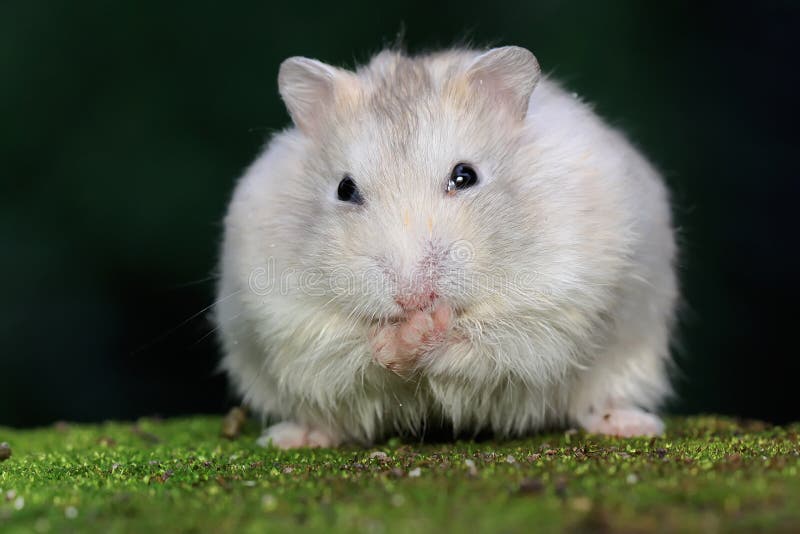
61	426
233	422
5	451
531	486
472	470
106	441
146	436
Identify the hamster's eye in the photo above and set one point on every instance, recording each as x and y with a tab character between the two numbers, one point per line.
462	177
348	191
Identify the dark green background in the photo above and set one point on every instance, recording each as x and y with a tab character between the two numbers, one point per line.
123	126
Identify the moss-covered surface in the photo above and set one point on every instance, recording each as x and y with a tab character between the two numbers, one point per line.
707	474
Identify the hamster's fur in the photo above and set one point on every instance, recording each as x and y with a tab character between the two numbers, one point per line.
543	295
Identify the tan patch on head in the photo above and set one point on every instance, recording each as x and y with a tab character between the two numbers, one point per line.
459	91
348	91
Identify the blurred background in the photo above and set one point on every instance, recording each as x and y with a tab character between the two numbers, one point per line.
124	125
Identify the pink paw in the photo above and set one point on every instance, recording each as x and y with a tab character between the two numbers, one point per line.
289	435
399	346
623	422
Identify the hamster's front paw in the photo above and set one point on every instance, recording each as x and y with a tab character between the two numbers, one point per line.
623	422
399	346
288	435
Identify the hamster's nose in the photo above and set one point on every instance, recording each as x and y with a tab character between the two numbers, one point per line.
416	300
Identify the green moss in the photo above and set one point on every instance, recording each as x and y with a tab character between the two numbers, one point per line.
708	473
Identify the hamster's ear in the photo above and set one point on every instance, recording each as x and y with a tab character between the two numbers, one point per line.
309	87
507	75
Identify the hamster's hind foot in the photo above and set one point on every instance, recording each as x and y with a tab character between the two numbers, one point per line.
288	435
623	423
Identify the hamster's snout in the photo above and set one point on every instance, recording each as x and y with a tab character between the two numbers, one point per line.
416	300
415	280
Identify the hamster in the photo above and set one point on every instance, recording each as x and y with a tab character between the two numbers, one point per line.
445	240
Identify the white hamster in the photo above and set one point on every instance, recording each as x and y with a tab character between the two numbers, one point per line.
445	240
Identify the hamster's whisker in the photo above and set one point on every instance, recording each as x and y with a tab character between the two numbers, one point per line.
217	327
183	323
190	283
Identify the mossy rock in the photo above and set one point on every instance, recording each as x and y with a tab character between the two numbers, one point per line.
707	474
